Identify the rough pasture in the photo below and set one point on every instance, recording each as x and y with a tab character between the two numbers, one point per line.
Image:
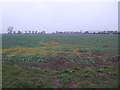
71	61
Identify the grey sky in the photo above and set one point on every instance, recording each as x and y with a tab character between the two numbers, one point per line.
53	17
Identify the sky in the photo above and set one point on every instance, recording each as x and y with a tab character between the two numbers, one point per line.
72	15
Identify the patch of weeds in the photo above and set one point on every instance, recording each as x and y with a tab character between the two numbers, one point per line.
79	50
92	61
65	79
11	70
44	83
24	84
88	73
87	61
111	71
108	69
57	72
8	52
17	58
15	72
27	59
62	76
41	60
7	59
111	68
71	70
104	85
77	68
15	82
100	71
84	84
115	83
34	70
68	71
70	56
32	58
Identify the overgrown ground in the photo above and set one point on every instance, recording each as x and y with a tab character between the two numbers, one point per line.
60	61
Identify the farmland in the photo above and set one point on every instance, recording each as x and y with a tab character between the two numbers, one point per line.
60	61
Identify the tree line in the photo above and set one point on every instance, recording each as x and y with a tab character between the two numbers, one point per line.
10	31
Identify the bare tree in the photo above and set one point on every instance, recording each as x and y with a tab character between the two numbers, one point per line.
10	30
43	32
19	32
35	32
32	32
86	32
25	32
29	32
14	32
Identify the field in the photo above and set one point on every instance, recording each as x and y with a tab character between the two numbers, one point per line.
60	61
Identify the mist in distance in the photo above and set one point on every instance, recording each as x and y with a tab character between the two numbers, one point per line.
51	17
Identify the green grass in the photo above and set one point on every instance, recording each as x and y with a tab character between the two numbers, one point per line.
53	61
24	77
26	47
28	77
0	76
83	41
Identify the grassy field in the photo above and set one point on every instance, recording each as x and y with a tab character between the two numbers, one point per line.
60	61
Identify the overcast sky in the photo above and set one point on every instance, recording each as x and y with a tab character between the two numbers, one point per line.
63	16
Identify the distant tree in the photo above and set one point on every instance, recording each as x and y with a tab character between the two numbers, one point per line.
110	32
99	32
43	32
77	32
86	32
39	32
14	32
115	32
25	32
53	33
36	32
32	32
80	31
104	32
29	32
60	32
19	32
10	30
56	32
